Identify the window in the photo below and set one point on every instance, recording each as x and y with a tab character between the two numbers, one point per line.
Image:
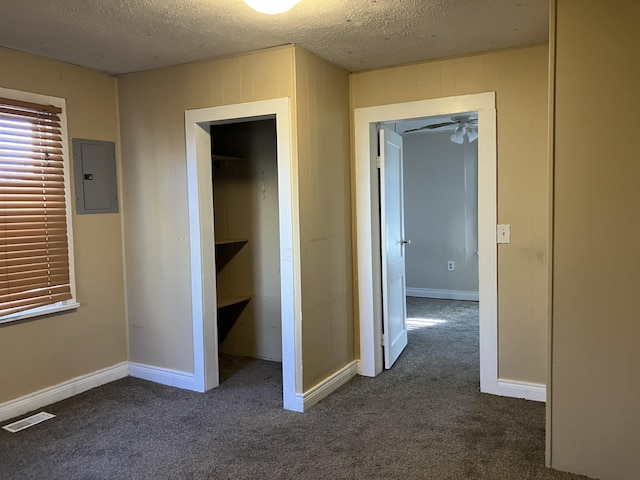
35	246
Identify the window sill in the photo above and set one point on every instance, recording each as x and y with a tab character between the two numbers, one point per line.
39	312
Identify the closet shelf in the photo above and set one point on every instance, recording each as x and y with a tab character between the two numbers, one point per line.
226	250
229	309
224	302
226	241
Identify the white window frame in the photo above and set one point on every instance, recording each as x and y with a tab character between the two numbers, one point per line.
70	304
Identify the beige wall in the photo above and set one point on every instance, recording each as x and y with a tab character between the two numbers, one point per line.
46	351
152	107
519	78
322	105
595	419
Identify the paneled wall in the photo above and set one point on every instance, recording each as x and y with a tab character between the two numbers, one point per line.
49	350
152	106
519	78
156	226
322	103
595	419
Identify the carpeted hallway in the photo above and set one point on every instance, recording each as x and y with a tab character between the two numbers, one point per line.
424	419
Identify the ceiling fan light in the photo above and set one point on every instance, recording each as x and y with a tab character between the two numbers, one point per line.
271	7
472	134
457	136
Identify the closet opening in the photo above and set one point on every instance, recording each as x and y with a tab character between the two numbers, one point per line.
244	168
210	131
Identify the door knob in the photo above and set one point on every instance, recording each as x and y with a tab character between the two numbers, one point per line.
405	242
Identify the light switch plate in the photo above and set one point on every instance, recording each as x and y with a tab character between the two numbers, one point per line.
504	233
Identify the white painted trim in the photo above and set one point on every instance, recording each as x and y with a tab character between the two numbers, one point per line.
203	271
306	400
164	376
516	389
445	294
367	224
58	307
62	391
203	278
368	250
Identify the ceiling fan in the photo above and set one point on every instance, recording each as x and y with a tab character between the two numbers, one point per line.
465	125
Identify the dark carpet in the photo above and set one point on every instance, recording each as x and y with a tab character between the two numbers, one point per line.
424	419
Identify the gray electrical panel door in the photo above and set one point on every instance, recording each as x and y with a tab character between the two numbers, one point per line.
95	179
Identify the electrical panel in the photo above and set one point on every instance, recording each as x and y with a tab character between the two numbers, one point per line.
95	178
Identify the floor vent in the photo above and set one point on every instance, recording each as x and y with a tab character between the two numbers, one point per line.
28	422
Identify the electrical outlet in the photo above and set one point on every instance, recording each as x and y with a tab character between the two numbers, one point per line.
451	265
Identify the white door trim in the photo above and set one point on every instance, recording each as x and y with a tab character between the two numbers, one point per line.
368	224
203	269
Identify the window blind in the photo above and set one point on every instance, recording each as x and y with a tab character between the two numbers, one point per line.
34	257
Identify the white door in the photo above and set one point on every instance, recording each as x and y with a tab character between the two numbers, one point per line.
394	307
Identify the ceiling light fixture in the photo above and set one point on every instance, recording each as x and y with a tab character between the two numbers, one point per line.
464	129
472	134
458	135
271	7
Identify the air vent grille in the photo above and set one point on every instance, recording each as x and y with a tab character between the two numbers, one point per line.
28	422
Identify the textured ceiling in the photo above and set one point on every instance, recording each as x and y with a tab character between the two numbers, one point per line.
120	36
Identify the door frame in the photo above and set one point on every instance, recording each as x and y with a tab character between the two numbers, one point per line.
202	241
368	224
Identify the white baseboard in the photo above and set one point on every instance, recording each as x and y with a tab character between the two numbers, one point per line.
306	400
513	388
361	371
62	391
444	294
164	376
